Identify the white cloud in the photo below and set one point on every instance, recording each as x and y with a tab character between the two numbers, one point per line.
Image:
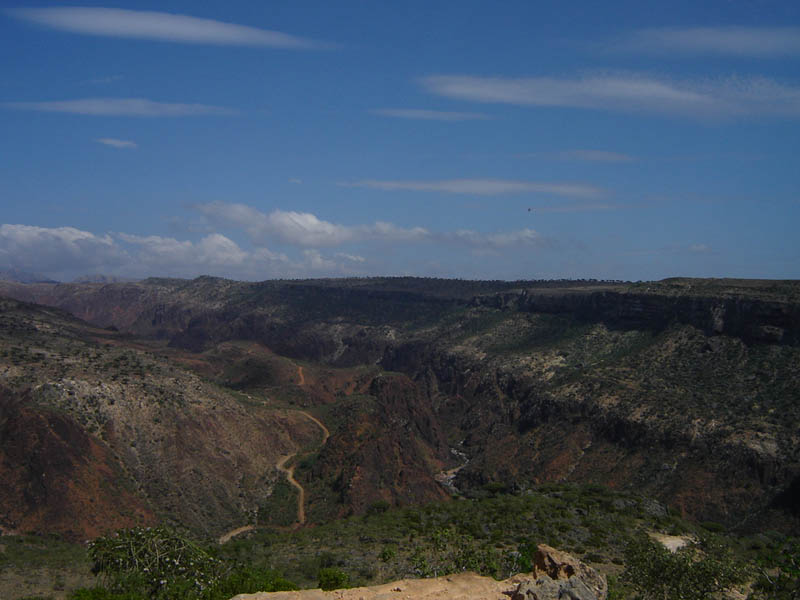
483	187
115	143
475	239
758	42
56	249
265	255
351	257
699	249
213	250
628	93
149	25
429	115
296	180
66	252
302	229
126	107
317	262
307	230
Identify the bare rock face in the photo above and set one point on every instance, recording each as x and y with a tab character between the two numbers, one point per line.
557	575
560	566
545	588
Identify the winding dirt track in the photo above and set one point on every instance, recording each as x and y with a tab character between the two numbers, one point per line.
281	466
289	472
325	433
301	493
234	532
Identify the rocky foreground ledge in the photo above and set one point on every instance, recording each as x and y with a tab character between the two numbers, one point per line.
555	575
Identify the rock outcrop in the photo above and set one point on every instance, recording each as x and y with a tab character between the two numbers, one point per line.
557	575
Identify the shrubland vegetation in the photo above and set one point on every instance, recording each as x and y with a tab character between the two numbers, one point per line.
495	534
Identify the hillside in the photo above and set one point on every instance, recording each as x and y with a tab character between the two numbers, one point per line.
99	434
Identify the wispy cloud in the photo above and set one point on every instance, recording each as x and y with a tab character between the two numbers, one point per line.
351	257
483	187
758	42
307	230
585	155
149	25
700	249
628	93
115	107
302	229
597	156
429	115
104	80
115	143
575	208
493	241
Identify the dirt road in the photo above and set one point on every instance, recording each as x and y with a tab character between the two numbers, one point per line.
234	532
325	433
289	472
301	493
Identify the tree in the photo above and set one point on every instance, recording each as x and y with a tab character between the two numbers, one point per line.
331	578
694	572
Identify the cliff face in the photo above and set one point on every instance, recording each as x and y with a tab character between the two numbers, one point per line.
520	435
750	320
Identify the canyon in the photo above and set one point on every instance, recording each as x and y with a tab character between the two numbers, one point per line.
175	400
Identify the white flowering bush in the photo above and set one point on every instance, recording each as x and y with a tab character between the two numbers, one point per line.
156	560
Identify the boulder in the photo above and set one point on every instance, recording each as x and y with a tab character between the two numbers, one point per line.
569	573
545	588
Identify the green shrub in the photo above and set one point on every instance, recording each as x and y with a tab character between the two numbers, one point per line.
696	572
249	580
331	578
377	508
713	527
388	554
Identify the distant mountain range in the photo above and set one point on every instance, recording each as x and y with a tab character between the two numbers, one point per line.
18	276
100	278
24	277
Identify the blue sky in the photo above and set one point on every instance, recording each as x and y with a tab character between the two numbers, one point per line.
498	140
